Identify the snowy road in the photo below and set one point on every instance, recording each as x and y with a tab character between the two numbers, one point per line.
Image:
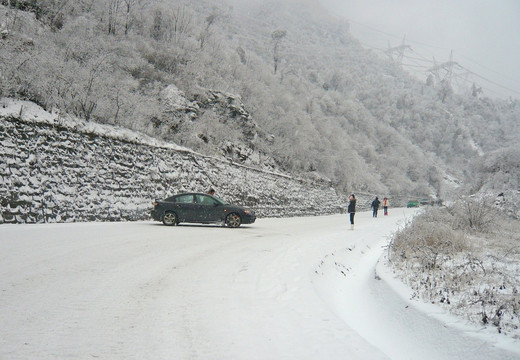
300	288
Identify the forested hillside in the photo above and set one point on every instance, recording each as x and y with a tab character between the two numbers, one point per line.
277	84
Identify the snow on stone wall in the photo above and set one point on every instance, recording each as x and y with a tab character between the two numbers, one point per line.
53	172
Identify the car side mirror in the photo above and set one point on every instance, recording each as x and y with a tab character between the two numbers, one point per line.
216	204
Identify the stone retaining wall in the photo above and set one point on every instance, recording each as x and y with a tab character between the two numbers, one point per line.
57	173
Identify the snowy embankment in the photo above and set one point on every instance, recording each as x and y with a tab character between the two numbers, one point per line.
299	288
61	169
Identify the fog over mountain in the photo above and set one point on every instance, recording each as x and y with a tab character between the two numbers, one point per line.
476	39
274	84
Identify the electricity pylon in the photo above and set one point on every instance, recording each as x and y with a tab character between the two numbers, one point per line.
397	51
447	67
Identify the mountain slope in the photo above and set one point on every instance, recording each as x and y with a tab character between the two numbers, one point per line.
319	102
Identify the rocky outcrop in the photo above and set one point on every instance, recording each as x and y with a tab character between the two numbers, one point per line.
62	170
180	111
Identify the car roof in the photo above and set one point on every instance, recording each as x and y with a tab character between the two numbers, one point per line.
193	193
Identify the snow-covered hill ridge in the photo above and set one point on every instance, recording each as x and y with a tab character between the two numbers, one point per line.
56	168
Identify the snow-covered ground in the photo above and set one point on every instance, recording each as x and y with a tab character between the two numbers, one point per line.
298	288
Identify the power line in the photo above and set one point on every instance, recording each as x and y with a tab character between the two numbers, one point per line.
485	67
493	82
393	35
426	60
482	87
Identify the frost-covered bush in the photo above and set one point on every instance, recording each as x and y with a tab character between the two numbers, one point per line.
475	214
429	236
467	266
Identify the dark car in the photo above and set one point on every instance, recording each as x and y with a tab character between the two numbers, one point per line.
200	208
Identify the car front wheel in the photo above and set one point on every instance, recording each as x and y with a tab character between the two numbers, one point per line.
233	220
169	219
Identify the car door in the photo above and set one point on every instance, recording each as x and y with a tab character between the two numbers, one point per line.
186	207
209	209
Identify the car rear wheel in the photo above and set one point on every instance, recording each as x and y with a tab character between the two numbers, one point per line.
233	220
169	219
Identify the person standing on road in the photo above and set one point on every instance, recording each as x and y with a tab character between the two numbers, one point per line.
375	206
385	205
352	210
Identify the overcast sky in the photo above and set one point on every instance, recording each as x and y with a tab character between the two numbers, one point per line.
483	34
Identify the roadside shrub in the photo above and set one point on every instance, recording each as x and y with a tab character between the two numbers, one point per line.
475	213
430	234
465	258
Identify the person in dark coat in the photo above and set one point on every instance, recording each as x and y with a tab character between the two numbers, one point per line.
375	206
351	209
